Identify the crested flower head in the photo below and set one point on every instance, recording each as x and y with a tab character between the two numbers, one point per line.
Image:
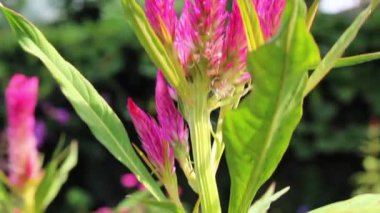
162	17
210	41
157	148
200	32
21	99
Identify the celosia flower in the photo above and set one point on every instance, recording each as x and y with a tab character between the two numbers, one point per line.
21	99
170	119
160	139
158	149
210	41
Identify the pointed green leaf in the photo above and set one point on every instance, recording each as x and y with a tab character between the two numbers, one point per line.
367	203
144	199
252	28
339	47
55	176
357	59
263	204
90	106
258	133
160	56
311	14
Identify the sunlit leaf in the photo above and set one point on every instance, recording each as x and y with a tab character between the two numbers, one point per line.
338	48
90	106
367	203
257	134
255	37
262	205
56	174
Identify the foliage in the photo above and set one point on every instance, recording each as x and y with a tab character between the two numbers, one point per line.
316	123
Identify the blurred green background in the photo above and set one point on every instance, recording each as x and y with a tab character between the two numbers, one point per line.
93	35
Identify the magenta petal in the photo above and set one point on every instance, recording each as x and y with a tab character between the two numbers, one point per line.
170	119
158	150
161	13
21	98
269	12
198	19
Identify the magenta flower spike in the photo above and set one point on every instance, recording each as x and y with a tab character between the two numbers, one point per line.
269	12
157	148
162	17
170	119
200	33
21	99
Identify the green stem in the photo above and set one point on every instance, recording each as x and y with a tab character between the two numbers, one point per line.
198	118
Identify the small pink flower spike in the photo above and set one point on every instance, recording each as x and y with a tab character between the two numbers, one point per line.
200	33
269	12
235	43
170	119
129	180
162	17
21	99
158	149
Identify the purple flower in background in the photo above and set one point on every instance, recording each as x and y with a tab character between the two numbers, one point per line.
129	180
40	132
59	114
21	99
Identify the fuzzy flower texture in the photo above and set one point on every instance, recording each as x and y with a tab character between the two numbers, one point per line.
210	40
160	139
21	99
210	43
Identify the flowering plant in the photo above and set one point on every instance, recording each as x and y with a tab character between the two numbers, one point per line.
31	187
250	66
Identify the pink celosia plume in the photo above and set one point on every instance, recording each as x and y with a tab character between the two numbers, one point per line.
21	99
200	32
162	17
170	119
209	38
158	150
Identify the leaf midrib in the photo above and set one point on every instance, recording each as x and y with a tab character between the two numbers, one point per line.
275	117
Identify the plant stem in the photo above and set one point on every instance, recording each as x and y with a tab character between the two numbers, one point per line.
198	118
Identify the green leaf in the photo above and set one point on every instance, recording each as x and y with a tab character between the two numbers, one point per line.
262	205
160	56
357	59
311	14
258	133
90	106
5	199
338	48
55	176
255	37
367	203
143	198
